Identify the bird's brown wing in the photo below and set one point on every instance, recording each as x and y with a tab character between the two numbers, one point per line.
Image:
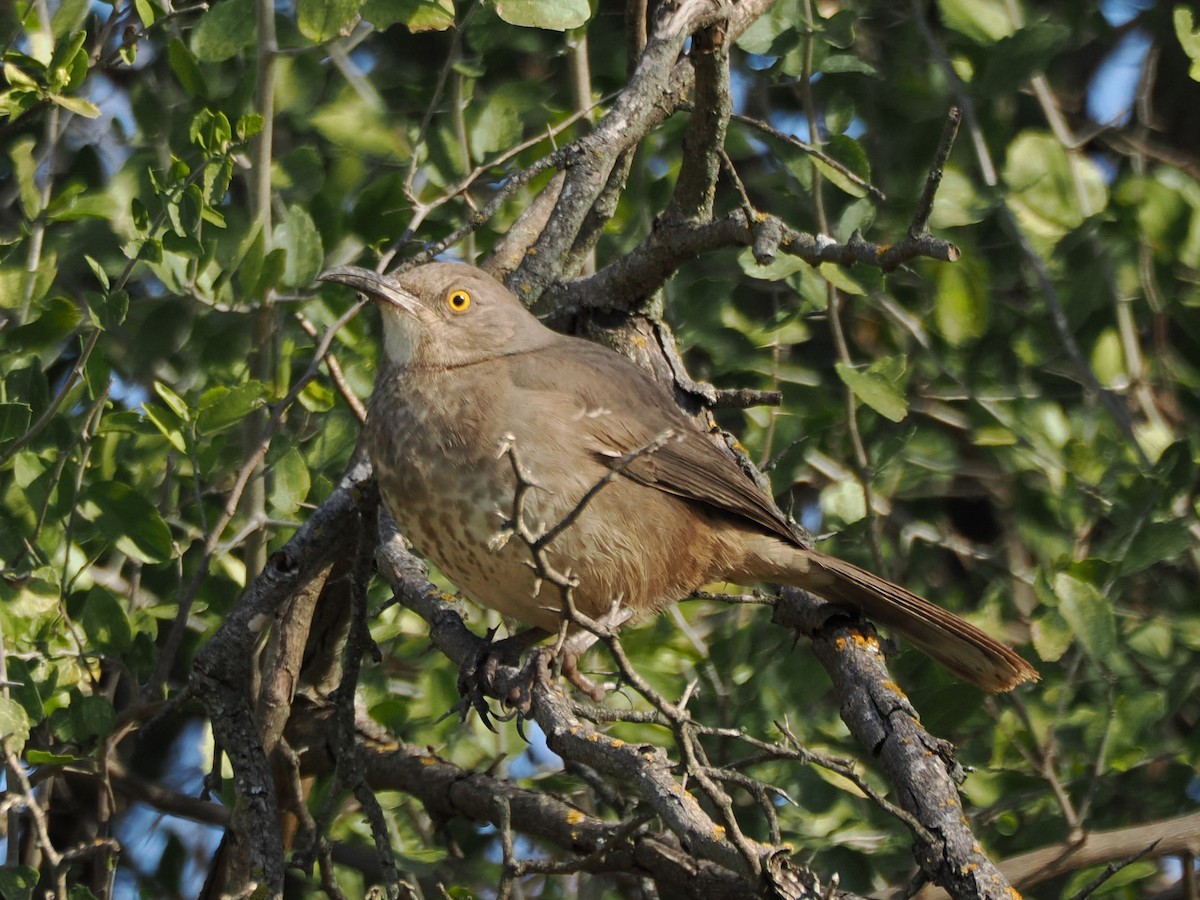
631	413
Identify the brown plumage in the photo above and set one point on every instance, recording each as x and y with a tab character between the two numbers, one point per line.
466	368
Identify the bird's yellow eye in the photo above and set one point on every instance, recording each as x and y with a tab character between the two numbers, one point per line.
458	300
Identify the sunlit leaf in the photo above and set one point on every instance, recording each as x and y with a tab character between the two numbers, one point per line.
417	15
1052	191
222	406
77	105
1088	613
14	723
68	17
21	154
1051	635
298	237
184	65
129	521
879	386
1189	38
554	15
983	21
961	309
178	405
855	170
320	20
290	481
224	30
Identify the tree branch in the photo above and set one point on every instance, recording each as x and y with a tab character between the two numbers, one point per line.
922	769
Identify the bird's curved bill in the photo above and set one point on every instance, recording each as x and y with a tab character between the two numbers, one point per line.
374	286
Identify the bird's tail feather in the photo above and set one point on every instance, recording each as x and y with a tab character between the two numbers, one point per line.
955	643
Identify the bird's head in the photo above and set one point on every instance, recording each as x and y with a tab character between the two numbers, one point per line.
445	315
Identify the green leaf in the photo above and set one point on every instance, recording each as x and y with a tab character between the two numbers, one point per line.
983	21
129	520
879	385
210	131
961	303
1108	360
98	271
317	397
17	882
300	173
775	32
68	17
1045	184
844	501
167	424
298	237
320	20
290	481
77	105
271	274
151	250
107	310
840	278
553	15
45	758
355	124
224	30
21	154
1155	543
1089	614
841	63
90	716
497	124
69	65
176	403
248	126
1014	59
187	70
14	722
781	267
1051	636
249	261
418	15
146	12
105	622
1189	39
959	201
24	688
14	421
851	155
220	406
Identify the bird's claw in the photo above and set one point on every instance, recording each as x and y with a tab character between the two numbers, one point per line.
477	679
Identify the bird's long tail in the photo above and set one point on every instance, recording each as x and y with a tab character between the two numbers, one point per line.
955	643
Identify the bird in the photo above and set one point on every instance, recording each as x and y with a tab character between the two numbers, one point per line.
635	502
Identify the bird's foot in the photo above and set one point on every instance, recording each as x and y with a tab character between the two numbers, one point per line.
570	671
477	678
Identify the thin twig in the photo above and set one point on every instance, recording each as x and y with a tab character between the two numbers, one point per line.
933	180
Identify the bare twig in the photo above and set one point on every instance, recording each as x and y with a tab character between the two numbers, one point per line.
920	220
1110	870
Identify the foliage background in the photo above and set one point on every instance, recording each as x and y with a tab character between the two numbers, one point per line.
1024	419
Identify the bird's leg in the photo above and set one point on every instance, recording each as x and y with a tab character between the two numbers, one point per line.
571	646
477	676
570	650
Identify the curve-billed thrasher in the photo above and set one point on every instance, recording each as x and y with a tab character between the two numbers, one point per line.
467	369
